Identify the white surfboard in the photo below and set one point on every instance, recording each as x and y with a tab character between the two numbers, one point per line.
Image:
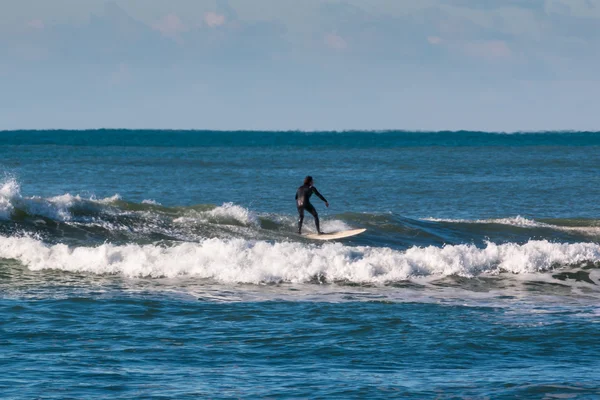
335	235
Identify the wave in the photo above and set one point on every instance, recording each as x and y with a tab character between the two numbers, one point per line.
151	202
69	208
259	262
58	208
85	220
79	220
9	190
585	226
514	221
228	213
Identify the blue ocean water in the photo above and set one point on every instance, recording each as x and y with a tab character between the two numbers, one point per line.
165	264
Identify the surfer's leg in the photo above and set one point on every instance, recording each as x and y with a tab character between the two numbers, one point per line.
300	219
315	214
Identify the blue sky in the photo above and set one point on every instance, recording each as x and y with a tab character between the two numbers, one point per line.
501	65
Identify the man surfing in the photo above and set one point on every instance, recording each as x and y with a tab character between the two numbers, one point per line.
303	202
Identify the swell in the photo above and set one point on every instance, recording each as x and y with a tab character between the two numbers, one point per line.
78	220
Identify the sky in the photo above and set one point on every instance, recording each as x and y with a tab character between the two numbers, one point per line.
491	65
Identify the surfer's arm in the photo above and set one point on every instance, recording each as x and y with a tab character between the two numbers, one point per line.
319	195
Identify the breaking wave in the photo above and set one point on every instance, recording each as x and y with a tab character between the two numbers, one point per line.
231	243
256	262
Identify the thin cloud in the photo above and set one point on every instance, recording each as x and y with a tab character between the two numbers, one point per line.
36	24
488	49
335	41
482	49
434	40
213	20
170	25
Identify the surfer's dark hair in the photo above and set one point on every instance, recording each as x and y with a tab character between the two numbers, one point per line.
308	180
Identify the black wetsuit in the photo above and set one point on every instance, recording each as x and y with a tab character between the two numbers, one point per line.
303	203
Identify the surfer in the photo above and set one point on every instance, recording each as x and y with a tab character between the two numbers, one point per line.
303	202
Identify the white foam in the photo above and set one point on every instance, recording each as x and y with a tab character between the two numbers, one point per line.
232	211
242	261
514	221
106	200
56	207
151	202
333	225
228	213
9	192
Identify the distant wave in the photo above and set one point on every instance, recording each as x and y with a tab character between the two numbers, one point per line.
522	222
457	131
337	139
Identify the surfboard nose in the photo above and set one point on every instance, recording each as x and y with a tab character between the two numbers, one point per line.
335	235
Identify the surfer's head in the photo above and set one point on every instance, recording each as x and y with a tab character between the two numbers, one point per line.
308	180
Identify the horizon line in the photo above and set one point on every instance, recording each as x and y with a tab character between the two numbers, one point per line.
253	131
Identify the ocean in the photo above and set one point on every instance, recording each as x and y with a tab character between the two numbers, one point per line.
166	265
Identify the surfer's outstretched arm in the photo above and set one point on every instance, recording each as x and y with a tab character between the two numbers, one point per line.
319	195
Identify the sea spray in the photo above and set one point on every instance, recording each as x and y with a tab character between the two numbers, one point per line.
243	261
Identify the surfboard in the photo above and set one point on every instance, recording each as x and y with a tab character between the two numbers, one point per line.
335	235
